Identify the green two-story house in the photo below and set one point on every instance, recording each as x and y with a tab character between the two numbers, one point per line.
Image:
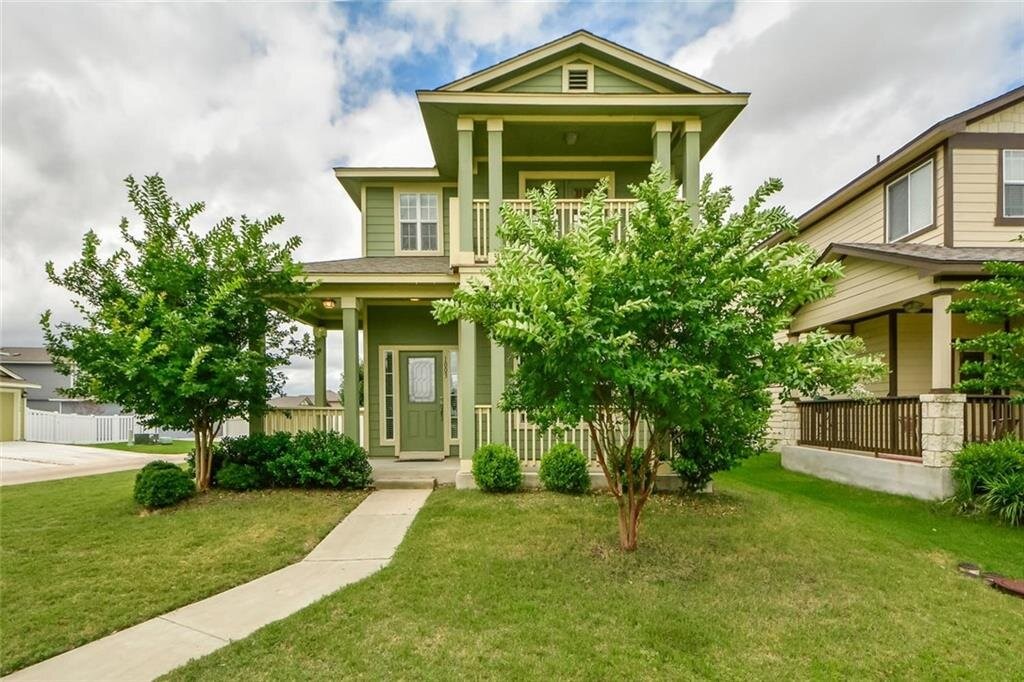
570	112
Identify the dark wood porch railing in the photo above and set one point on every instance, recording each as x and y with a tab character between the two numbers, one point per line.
991	417
883	426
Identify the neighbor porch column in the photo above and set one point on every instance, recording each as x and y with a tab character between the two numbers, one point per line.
465	187
350	349
942	343
467	390
495	126
497	388
691	162
319	366
661	132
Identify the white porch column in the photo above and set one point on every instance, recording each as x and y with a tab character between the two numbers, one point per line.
467	390
495	193
497	388
661	132
465	185
319	366
942	343
350	340
691	161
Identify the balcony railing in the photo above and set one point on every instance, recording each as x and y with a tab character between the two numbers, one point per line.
567	213
885	426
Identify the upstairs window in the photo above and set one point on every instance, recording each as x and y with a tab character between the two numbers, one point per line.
910	203
418	222
578	78
1013	183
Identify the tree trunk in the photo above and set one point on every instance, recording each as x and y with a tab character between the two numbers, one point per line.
203	458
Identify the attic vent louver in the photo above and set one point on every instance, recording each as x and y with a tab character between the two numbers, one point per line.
578	78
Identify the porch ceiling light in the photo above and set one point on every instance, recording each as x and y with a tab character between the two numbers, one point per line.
913	307
328	303
571	137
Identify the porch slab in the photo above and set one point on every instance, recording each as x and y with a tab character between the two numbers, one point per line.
866	471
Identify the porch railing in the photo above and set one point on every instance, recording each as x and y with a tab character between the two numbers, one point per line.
991	417
567	213
295	419
883	426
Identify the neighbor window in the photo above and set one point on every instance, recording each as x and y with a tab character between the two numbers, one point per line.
1013	183
418	220
389	395
910	202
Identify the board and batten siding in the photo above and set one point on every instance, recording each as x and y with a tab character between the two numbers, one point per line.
866	287
862	220
380	219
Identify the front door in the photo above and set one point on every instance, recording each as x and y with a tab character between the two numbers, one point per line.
421	409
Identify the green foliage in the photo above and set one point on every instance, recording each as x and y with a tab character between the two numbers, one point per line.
177	324
999	301
496	469
721	441
659	328
162	484
256	450
989	477
233	476
565	469
321	459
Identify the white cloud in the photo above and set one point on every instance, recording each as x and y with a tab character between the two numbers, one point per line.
834	85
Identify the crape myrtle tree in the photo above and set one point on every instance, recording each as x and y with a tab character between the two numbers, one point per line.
662	329
176	324
997	300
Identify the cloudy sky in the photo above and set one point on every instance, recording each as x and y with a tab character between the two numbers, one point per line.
248	106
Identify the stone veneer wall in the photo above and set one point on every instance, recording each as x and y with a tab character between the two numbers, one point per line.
942	427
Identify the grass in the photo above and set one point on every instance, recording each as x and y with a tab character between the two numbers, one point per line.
80	561
177	447
776	575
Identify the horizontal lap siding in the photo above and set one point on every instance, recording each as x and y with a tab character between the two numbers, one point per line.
866	286
380	221
612	83
914	354
549	81
975	184
875	333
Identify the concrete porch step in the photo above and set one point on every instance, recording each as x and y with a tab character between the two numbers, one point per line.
405	483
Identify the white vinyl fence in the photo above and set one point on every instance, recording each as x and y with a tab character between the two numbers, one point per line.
51	427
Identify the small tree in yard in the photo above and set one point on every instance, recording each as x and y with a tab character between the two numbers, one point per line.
176	324
997	300
663	328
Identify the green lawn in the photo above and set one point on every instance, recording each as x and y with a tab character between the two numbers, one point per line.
79	561
776	575
178	447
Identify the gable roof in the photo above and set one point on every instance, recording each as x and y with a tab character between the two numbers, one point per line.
587	43
9	379
930	258
24	355
929	139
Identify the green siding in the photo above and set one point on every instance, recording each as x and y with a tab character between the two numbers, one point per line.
549	81
626	173
380	221
611	83
397	326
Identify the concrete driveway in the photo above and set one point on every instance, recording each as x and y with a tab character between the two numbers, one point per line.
24	462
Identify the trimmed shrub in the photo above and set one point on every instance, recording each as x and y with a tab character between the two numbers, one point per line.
162	484
496	469
989	477
564	469
257	451
234	476
321	459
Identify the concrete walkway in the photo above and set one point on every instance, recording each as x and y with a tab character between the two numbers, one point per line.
25	462
360	545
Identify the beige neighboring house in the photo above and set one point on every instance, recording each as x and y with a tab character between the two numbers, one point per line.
910	231
287	401
12	404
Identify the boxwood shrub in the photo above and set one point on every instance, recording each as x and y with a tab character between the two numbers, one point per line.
321	459
989	478
162	484
564	469
496	469
235	476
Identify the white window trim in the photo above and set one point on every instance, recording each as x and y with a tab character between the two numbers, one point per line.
382	405
578	66
436	190
446	416
931	201
1002	187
